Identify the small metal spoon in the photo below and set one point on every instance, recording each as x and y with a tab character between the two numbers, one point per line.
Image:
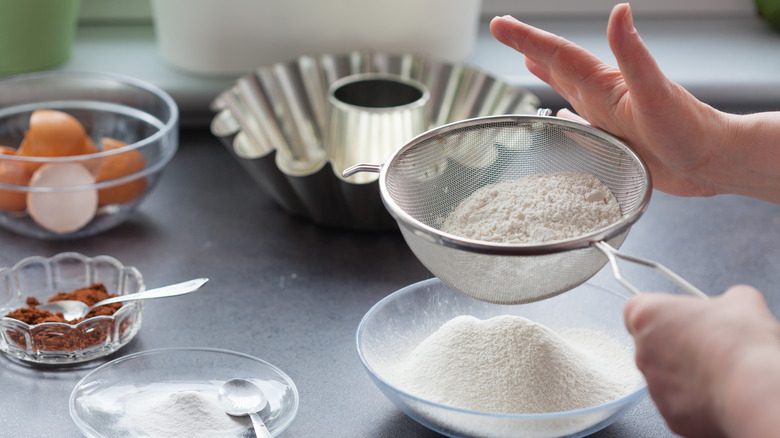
240	397
73	309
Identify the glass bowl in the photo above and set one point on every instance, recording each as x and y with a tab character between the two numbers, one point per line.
62	343
111	401
399	322
110	182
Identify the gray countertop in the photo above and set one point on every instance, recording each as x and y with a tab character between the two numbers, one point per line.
292	293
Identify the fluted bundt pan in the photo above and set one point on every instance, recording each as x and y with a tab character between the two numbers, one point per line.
275	122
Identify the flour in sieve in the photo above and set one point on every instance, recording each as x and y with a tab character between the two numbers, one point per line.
510	364
535	209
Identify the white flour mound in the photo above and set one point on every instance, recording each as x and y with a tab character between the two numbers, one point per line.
510	364
164	412
535	209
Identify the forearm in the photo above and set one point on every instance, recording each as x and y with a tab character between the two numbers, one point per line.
749	159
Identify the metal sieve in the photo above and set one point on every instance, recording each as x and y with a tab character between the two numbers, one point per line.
423	181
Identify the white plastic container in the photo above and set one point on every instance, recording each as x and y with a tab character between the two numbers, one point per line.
229	37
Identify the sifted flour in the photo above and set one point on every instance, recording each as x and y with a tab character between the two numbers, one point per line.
509	364
535	209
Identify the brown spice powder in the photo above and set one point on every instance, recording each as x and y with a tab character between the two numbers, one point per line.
70	338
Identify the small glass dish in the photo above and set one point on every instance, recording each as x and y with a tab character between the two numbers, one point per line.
399	322
56	343
132	134
104	403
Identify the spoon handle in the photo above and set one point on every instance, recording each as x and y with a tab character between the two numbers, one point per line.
257	423
160	292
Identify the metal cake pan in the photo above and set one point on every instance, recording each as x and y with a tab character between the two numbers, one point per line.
274	122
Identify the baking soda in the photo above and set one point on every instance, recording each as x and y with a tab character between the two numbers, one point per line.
167	411
510	364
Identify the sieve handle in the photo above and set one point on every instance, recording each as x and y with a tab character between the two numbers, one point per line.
362	167
613	254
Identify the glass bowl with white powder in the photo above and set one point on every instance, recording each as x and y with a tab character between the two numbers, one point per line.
560	367
174	392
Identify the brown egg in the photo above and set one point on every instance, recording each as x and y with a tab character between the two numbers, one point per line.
55	134
117	166
12	173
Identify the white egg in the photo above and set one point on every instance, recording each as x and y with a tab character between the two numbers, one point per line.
62	211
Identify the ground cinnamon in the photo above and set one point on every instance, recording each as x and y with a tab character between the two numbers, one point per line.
69	337
88	295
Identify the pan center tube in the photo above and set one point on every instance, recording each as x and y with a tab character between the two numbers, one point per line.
371	115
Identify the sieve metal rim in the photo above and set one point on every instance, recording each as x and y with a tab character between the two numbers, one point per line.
439	237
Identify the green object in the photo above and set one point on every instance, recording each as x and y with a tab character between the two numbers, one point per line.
769	10
36	34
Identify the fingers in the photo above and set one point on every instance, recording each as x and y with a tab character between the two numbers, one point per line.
594	88
647	84
537	70
642	310
534	43
743	291
639	310
697	355
742	295
551	58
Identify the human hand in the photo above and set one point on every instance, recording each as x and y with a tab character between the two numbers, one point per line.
712	366
677	135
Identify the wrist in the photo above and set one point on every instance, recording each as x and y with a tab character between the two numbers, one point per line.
747	159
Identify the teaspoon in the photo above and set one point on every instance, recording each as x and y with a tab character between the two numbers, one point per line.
239	397
74	309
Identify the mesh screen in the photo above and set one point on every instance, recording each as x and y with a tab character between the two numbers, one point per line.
428	179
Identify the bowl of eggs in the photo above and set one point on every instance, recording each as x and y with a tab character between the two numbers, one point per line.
80	151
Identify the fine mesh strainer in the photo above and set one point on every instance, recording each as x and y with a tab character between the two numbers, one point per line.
423	181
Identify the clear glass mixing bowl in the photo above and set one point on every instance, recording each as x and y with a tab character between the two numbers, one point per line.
398	323
131	111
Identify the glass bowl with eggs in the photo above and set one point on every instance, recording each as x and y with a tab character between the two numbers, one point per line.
38	336
80	151
559	367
